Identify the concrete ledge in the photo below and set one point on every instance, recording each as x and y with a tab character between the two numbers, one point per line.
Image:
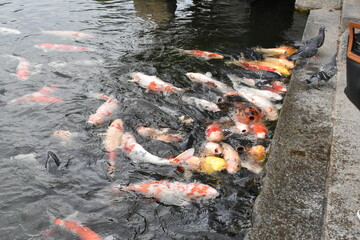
341	221
293	199
307	5
350	12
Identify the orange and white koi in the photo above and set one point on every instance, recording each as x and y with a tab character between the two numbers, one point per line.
274	86
174	193
7	31
23	69
40	96
259	129
276	52
138	154
58	47
201	104
84	233
154	83
231	157
214	133
112	141
281	62
67	34
269	109
208	81
202	54
246	115
160	135
104	112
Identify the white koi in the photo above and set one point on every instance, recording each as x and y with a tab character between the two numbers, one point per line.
154	83
201	104
7	31
208	81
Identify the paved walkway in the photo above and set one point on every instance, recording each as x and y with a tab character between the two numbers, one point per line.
312	185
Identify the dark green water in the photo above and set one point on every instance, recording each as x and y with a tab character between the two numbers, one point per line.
129	36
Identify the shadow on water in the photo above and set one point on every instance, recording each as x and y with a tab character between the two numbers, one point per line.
130	36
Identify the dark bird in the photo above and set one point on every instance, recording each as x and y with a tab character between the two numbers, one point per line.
307	51
325	72
320	38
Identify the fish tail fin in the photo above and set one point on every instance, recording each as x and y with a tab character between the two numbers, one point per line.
183	157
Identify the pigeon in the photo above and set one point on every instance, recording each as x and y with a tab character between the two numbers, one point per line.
325	72
320	38
307	51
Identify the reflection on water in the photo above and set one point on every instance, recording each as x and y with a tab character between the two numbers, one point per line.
161	11
128	36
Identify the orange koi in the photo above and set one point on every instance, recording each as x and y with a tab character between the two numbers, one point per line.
40	96
84	233
257	153
202	54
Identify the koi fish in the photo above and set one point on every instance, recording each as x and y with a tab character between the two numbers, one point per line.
251	166
49	47
104	112
272	96
76	63
201	104
211	164
202	54
259	129
264	66
212	149
40	96
138	154
174	193
269	109
246	115
112	141
273	86
65	136
154	83
281	62
23	69
84	233
160	135
7	31
182	117
240	128
208	81
257	153
214	133
67	34
276	52
231	157
248	66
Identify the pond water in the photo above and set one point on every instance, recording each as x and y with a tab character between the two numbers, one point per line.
128	36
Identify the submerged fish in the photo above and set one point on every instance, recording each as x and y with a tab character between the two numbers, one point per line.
7	31
208	81
174	193
23	69
231	157
104	112
113	139
84	233
154	83
40	96
202	54
259	129
201	104
160	135
48	47
68	34
138	154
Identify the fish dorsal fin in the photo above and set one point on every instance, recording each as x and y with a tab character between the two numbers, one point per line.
208	74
